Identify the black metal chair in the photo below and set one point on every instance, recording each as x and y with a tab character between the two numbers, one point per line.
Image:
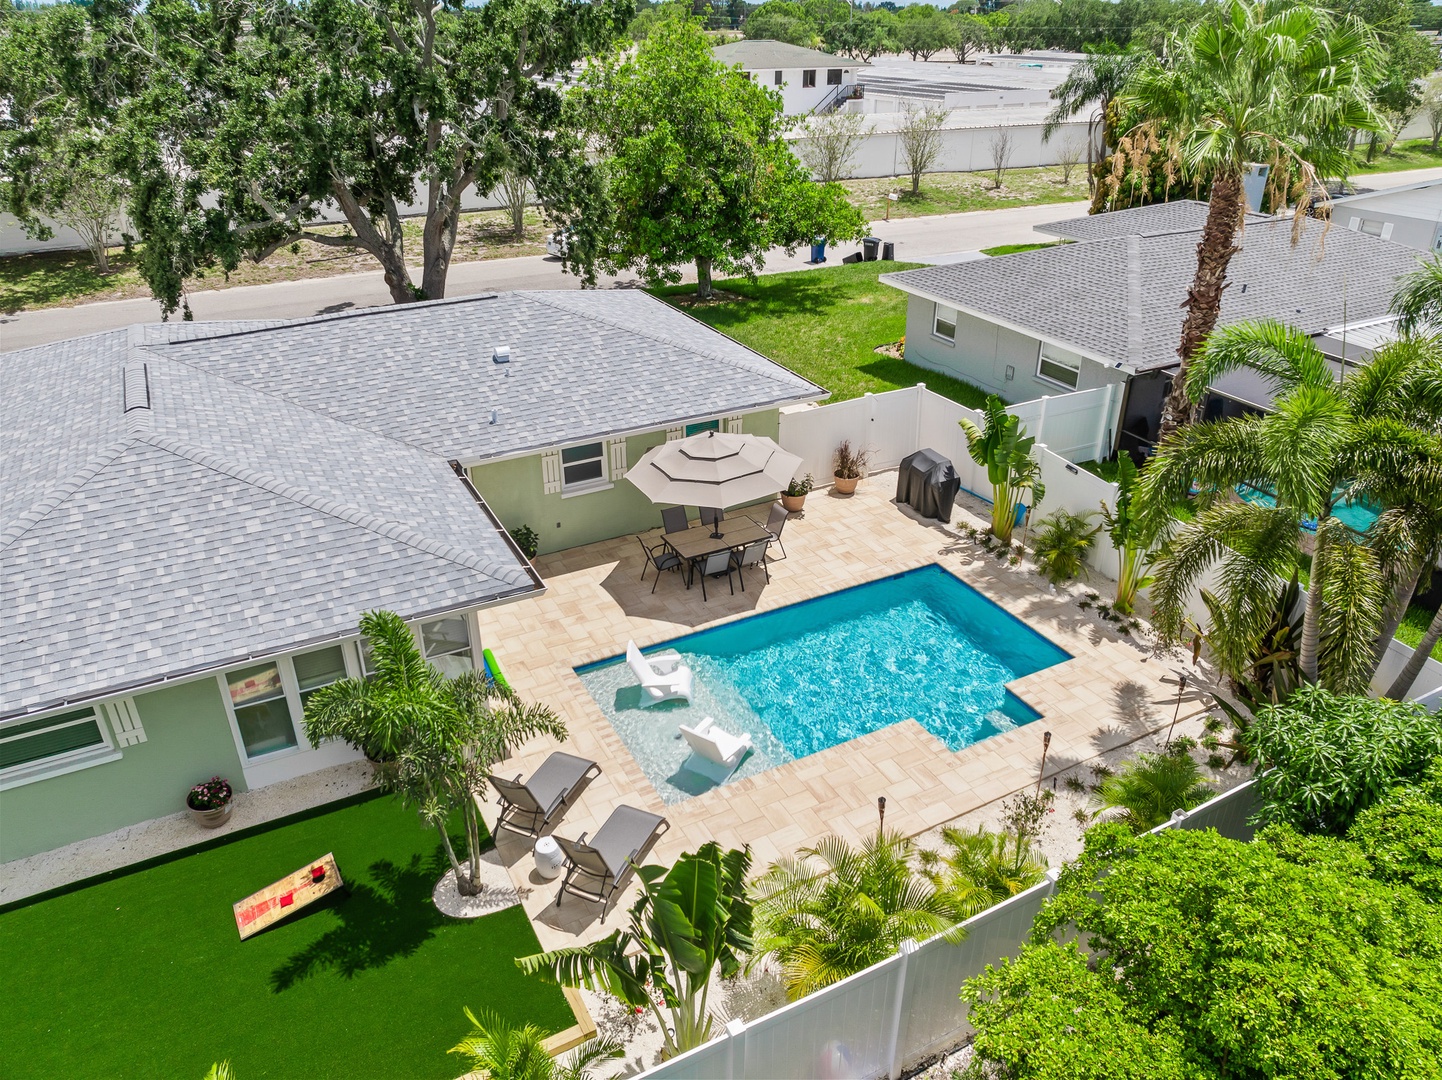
776	521
661	557
712	515
673	519
717	563
752	554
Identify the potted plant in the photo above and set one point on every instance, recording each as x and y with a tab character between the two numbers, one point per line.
209	804
794	497
850	467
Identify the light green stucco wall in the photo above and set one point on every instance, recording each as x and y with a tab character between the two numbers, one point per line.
514	490
188	739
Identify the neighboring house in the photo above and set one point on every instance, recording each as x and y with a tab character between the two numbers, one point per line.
1410	215
1107	310
807	80
194	516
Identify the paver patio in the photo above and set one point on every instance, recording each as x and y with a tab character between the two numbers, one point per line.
1110	693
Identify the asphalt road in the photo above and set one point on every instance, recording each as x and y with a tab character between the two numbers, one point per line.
916	239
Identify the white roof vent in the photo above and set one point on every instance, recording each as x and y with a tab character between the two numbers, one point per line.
501	354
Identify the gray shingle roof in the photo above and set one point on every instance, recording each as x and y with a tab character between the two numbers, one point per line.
756	54
182	496
584	365
1077	295
1180	215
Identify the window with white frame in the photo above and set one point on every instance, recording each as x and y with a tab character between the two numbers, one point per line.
34	748
446	642
1058	366
583	466
261	708
808	79
314	670
1371	227
944	324
833	77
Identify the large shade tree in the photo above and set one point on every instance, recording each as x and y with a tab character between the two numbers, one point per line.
245	121
1268	81
685	163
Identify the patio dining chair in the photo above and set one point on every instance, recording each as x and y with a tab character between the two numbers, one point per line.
673	519
714	565
598	870
712	515
753	554
776	521
661	557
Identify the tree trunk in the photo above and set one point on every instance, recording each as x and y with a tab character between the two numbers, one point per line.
1312	621
1396	612
443	221
703	279
1204	298
102	258
1402	684
387	246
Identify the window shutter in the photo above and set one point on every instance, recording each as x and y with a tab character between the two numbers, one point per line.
672	434
1387	231
1354	224
732	424
124	721
618	458
551	472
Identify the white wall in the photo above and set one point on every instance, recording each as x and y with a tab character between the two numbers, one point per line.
798	100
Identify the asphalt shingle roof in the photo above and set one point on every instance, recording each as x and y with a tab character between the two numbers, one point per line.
1177	216
755	54
183	496
1081	296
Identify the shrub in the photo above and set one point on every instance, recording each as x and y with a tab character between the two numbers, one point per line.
1149	788
1061	543
527	540
210	795
1402	836
1327	757
979	868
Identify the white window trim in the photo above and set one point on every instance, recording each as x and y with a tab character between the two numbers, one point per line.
1041	355
587	487
69	762
290	687
936	318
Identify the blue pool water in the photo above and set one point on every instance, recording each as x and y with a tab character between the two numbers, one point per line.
921	645
1358	516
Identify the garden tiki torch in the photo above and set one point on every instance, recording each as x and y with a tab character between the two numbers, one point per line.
1045	746
881	814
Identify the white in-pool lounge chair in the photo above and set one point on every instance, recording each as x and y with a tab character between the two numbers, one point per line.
719	752
662	676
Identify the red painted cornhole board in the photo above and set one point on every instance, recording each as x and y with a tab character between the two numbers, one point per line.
287	896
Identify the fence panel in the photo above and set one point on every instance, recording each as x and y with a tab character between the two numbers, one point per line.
1075	426
1227	813
709	1062
885	423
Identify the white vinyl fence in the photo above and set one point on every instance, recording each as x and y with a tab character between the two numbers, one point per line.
906	1009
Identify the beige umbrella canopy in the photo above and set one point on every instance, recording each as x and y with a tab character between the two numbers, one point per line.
714	469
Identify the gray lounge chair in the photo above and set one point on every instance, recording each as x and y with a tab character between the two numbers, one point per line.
597	870
531	807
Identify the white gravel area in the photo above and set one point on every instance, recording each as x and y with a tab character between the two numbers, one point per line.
498	891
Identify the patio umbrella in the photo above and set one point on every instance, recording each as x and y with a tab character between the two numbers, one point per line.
714	469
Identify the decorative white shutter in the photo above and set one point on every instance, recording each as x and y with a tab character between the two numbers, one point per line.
1354	224
1387	230
732	425
124	721
551	472
618	458
672	434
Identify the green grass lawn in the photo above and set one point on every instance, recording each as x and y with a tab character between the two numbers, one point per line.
1013	249
959	192
825	325
144	974
1414	625
1414	154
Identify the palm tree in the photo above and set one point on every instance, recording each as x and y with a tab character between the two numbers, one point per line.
503	1051
1268	81
1003	448
691	920
1418	301
981	868
835	909
434	736
1324	443
1149	788
1095	81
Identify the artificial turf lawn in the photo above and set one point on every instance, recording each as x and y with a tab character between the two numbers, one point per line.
145	975
825	325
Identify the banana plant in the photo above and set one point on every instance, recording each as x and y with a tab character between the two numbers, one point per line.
1004	450
690	921
1130	535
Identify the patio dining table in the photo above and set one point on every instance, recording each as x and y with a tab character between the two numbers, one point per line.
697	541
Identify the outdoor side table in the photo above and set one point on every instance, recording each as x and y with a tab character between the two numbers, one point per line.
549	859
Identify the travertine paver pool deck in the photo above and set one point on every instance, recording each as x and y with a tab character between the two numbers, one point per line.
1109	693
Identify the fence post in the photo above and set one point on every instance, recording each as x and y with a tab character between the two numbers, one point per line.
736	1049
920	404
1103	426
1041	418
894	1048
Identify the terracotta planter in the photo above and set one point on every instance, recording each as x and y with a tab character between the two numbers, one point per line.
846	485
210	819
793	503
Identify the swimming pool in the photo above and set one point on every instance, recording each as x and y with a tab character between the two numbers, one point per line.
921	645
1358	516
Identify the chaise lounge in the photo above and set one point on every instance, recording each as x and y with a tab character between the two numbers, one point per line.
662	676
598	870
719	752
531	807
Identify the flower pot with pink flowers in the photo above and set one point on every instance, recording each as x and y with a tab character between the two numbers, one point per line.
210	803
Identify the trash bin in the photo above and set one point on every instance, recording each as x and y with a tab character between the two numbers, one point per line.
888	252
870	246
818	251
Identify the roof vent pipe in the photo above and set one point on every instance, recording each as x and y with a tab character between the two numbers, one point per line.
501	354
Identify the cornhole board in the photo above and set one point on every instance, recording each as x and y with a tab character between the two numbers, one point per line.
287	896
